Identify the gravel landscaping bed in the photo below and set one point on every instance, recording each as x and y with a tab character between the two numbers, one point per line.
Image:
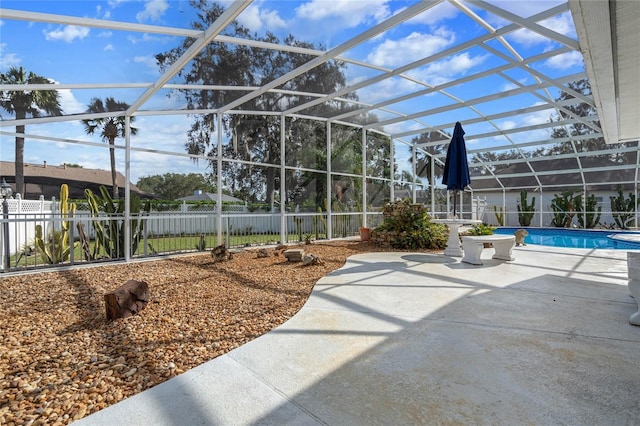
61	360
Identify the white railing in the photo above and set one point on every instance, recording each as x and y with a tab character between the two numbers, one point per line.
187	228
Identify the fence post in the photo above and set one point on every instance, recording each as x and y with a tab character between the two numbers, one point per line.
5	259
72	241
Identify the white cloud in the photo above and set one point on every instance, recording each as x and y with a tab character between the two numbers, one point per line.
508	125
386	89
108	48
537	117
8	60
523	120
526	8
69	104
153	10
166	133
443	71
346	13
105	34
434	73
416	45
562	24
565	61
250	18
149	61
102	13
115	3
272	19
67	33
256	17
435	14
146	38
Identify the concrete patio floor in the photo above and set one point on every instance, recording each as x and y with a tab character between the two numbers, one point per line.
414	338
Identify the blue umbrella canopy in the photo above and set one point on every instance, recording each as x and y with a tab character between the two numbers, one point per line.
456	168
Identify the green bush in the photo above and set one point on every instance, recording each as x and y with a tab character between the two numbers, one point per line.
408	226
482	229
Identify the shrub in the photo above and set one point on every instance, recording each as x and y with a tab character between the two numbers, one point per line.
407	226
482	229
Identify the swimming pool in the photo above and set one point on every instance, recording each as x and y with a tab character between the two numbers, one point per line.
577	238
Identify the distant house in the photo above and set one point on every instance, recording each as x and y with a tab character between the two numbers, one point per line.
45	180
554	176
199	195
602	184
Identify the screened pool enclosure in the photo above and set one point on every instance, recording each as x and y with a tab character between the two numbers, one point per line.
317	130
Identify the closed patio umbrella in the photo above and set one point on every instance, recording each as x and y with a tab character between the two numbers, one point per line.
456	168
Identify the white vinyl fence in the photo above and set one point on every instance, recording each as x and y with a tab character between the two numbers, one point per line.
20	220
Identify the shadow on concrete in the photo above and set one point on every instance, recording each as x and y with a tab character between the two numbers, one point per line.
404	339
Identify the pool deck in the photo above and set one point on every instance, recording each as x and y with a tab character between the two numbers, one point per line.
414	338
634	238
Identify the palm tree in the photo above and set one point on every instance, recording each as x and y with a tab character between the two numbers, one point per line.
110	128
23	103
423	156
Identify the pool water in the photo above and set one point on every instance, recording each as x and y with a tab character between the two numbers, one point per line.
575	238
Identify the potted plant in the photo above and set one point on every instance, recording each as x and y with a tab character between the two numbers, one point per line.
482	229
365	233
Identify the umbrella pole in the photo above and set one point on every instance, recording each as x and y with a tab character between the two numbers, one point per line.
455	197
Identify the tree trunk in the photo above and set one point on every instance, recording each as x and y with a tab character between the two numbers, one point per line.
19	160
271	185
112	154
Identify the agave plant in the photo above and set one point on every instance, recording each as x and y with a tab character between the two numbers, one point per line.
110	232
56	248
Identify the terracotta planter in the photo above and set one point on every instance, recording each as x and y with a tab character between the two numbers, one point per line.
365	234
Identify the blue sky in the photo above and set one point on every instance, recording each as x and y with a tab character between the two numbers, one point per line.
69	54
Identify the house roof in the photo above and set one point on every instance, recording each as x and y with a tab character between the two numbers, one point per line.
558	174
208	196
44	179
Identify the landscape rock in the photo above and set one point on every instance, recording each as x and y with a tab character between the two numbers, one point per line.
294	255
310	259
127	300
221	253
